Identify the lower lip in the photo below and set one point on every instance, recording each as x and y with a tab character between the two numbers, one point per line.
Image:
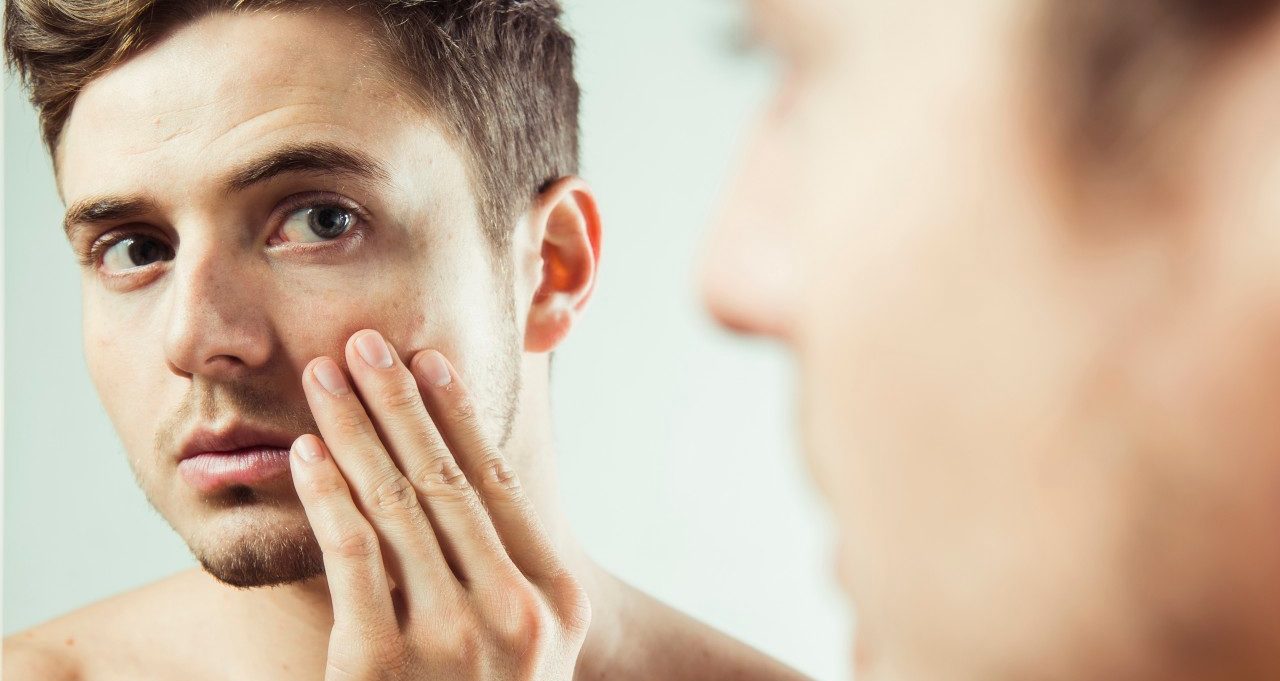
212	471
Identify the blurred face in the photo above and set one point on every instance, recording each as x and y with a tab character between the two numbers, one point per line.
244	196
1045	422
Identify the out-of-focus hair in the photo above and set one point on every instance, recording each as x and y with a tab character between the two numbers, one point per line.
1118	69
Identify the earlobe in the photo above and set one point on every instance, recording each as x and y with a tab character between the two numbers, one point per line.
570	259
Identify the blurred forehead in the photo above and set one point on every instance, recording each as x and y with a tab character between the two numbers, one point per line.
795	14
850	25
225	86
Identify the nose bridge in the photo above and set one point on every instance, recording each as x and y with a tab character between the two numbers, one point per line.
216	322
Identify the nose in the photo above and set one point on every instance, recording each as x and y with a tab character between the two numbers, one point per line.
747	272
217	326
742	284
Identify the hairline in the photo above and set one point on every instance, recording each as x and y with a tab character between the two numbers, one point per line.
397	75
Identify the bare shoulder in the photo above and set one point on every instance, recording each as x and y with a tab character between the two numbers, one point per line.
662	642
112	638
710	653
26	656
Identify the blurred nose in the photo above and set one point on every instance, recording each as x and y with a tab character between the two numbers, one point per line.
749	276
217	326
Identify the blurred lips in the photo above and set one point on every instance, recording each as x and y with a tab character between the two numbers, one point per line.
243	455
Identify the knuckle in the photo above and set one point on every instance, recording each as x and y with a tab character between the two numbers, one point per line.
524	622
496	476
325	485
394	494
354	543
468	647
571	602
463	412
401	395
351	422
442	478
470	424
419	421
462	641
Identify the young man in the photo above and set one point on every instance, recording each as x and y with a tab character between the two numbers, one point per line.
280	207
1025	252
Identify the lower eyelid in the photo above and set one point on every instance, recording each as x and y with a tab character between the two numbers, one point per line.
135	278
350	238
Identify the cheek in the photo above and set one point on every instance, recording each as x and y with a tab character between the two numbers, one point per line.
1209	397
414	303
398	308
129	382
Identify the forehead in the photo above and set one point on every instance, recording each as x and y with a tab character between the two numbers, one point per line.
230	84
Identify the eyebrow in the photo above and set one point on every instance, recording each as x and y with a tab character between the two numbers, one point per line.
320	158
103	209
317	157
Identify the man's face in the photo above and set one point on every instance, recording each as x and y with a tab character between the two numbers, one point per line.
258	188
1047	430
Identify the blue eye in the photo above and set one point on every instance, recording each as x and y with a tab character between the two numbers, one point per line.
135	251
318	223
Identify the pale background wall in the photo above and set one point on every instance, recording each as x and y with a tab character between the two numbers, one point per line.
676	444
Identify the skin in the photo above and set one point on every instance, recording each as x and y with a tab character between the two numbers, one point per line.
422	521
1039	398
232	326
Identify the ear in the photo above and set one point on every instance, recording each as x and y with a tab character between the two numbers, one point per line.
566	216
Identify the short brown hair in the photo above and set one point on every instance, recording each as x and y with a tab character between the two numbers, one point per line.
500	72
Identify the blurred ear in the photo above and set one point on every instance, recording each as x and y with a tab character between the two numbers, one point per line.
567	219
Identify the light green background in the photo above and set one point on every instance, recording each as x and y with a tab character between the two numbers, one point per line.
678	467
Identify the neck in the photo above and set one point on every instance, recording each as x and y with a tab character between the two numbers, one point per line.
307	607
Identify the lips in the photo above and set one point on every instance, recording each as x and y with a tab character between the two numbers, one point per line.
240	455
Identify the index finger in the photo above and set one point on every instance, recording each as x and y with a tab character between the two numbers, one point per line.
495	481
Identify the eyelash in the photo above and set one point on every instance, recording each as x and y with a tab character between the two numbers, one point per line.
94	256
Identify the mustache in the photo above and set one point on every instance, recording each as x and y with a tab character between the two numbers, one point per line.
258	403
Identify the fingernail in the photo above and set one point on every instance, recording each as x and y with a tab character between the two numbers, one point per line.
374	350
434	369
330	376
307	450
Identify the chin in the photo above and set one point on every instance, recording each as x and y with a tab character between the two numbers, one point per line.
257	545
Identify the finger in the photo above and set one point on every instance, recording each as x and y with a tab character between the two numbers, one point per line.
353	563
459	518
380	490
514	517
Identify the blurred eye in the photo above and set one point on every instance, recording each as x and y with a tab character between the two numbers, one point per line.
135	251
318	223
742	37
758	39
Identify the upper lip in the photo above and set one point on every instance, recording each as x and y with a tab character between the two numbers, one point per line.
232	437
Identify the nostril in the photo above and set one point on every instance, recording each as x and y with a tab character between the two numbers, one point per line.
177	370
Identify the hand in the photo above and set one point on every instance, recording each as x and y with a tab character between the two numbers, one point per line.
437	564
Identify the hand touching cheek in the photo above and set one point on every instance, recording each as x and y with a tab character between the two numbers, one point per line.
405	488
